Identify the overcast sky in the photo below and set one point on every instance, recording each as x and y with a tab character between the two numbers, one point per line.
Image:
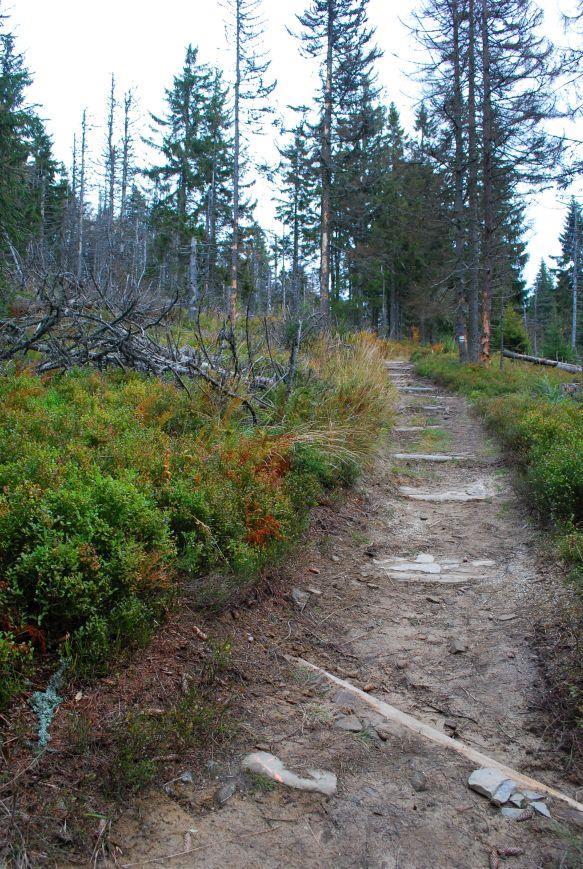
73	46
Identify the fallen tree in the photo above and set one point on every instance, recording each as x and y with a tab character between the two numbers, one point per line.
537	360
67	325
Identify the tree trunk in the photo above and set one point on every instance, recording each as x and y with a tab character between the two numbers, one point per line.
234	292
393	306
487	187
461	311
552	363
575	280
384	311
473	234
81	215
295	305
326	177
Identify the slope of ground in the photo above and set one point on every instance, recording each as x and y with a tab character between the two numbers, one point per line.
453	648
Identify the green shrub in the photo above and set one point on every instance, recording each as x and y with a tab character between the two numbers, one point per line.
113	484
515	334
540	424
15	666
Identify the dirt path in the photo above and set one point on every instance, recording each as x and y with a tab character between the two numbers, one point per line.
448	642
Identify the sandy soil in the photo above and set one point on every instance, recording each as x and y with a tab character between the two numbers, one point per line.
453	649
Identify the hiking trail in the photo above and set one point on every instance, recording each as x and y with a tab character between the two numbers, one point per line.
421	589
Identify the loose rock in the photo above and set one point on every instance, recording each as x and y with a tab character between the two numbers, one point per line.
224	793
263	763
300	598
457	646
542	809
350	723
418	781
486	781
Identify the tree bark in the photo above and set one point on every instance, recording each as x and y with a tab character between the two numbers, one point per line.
234	291
326	176
551	363
473	216
457	112
81	215
487	186
575	280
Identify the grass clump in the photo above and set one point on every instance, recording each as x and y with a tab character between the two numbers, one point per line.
143	740
538	421
114	486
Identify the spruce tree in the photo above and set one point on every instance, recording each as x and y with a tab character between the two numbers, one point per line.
569	272
337	34
180	176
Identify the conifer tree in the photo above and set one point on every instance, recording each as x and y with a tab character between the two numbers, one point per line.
336	33
180	176
251	90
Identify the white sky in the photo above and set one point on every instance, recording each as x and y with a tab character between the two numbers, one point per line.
73	46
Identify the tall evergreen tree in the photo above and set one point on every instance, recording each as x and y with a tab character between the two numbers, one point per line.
337	34
180	176
251	90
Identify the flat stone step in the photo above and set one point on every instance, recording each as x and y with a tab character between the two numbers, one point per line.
430	457
430	568
416	389
475	492
440	578
411	428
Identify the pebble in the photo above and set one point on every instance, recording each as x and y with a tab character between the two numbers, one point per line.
383	732
335	558
457	646
370	686
224	793
350	723
418	781
542	809
511	813
300	598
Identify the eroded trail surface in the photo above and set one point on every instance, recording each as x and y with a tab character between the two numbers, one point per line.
420	589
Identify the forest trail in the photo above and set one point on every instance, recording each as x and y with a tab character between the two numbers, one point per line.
421	589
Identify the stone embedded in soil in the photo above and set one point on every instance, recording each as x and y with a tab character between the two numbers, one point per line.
350	723
411	567
511	813
224	793
457	646
541	808
186	778
300	598
344	698
427	457
263	763
418	781
383	732
477	492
